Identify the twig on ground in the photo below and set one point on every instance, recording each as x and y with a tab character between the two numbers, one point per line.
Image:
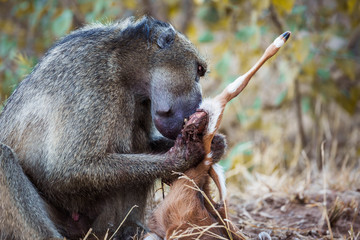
123	221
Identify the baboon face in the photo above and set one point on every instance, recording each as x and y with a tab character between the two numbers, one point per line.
175	89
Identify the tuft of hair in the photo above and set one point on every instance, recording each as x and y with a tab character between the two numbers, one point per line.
146	26
220	172
214	110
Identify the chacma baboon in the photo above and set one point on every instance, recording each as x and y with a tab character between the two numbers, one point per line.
80	134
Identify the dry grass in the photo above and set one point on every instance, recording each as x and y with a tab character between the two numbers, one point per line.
89	233
322	203
196	232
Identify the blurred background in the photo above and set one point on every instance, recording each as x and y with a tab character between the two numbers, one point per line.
308	93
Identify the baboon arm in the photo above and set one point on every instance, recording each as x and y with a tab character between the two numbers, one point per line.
114	171
161	144
142	167
22	210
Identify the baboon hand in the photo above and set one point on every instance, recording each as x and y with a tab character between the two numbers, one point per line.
188	149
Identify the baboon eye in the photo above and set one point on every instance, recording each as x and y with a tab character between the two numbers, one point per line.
201	70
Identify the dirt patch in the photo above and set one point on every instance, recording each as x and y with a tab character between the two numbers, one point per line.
299	216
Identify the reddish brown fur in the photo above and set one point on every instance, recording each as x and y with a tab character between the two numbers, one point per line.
185	207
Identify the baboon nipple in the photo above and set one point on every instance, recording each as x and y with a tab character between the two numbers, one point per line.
75	216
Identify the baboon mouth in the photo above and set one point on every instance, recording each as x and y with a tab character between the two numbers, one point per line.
169	128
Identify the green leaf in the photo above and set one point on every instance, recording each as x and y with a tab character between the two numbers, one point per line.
246	33
257	104
62	24
323	74
305	104
243	117
222	67
264	30
298	9
10	82
209	14
99	5
6	46
282	78
243	148
281	97
207	36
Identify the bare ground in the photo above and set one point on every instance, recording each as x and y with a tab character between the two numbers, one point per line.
299	216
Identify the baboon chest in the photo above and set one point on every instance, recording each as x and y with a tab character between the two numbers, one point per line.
141	127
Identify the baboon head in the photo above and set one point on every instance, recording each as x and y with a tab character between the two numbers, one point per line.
175	91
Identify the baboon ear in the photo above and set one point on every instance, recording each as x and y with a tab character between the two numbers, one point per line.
166	38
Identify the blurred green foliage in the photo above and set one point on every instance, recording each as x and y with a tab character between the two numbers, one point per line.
309	93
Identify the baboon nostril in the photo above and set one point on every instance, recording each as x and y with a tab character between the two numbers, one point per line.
164	113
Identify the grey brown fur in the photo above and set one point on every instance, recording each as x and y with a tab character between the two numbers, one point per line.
83	130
